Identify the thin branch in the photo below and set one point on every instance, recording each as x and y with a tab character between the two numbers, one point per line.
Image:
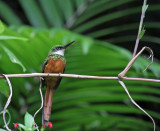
9	117
140	27
125	88
59	74
77	76
140	79
7	103
122	74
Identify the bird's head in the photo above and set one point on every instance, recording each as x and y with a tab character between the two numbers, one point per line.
59	49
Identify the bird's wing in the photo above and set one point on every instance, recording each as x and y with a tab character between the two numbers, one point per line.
43	68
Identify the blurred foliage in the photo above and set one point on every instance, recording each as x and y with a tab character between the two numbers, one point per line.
114	21
78	104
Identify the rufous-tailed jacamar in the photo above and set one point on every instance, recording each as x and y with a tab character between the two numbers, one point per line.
54	63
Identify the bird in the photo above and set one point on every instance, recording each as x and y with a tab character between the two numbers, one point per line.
54	63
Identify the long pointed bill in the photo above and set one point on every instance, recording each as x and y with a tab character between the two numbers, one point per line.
68	44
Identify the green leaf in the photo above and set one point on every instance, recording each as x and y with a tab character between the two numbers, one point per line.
101	5
22	126
142	33
79	2
28	121
106	18
8	14
2	28
33	13
66	8
13	58
52	13
2	37
86	45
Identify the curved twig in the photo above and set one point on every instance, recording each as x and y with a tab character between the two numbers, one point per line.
125	88
122	74
8	115
7	103
150	56
41	104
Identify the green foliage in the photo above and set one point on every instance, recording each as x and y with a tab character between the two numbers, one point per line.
93	18
28	121
13	58
81	104
7	13
2	37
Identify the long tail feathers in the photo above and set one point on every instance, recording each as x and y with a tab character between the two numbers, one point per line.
47	106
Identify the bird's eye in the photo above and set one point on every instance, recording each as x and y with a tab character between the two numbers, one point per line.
58	48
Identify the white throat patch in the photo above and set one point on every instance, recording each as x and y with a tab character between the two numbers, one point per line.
59	52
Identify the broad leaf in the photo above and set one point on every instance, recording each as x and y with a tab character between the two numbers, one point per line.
13	58
28	121
2	37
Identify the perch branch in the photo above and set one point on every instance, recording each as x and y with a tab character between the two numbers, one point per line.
77	76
